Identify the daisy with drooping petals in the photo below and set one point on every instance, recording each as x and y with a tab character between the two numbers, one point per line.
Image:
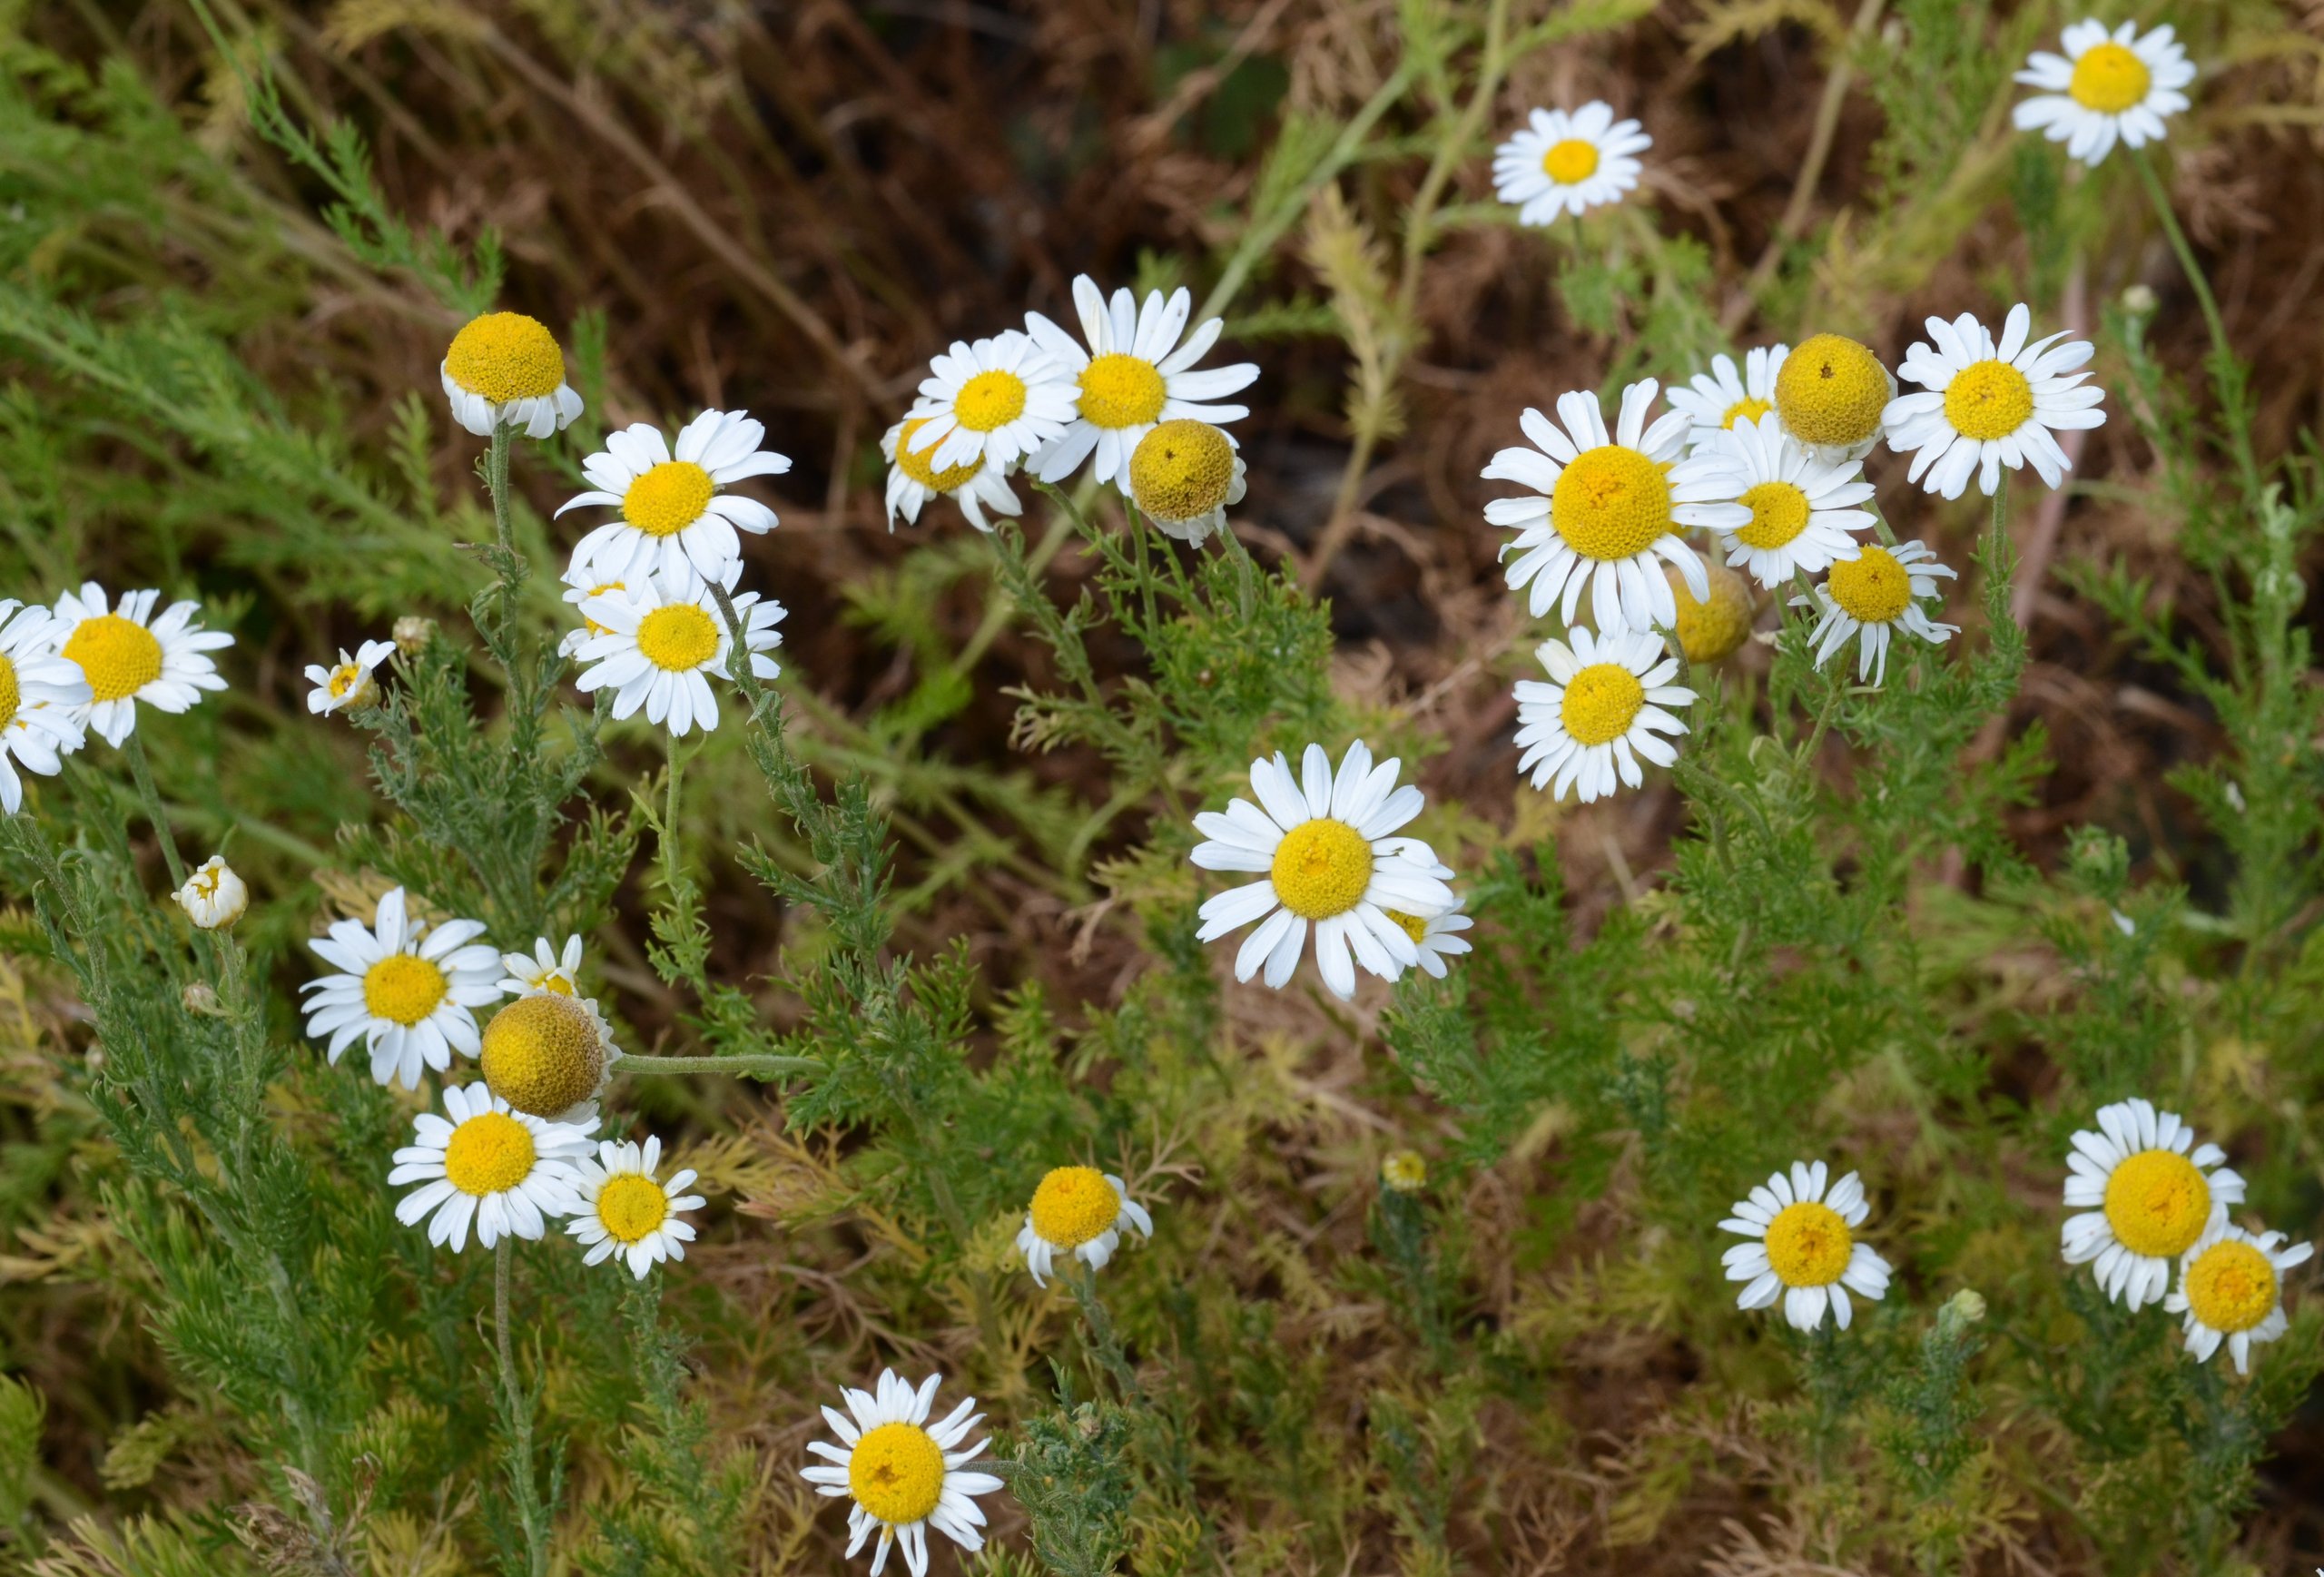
2145	1198
1436	938
1990	404
2232	1290
675	522
974	485
1804	1249
1324	843
1722	400
2104	86
582	582
1714	628
1130	377
661	644
1079	1212
905	1474
43	699
1879	593
1607	509
506	370
508	1172
543	969
548	1054
127	656
405	988
1830	392
1802	510
623	1211
997	400
1600	711
350	684
1562	164
1182	476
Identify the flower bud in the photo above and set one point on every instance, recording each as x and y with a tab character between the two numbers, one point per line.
214	897
1403	1172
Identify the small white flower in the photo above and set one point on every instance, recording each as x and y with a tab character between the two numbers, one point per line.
506	370
43	699
1080	1212
1601	710
1802	508
214	896
407	990
996	400
1721	399
975	484
350	684
127	656
1878	592
2144	1199
2232	1290
662	645
509	1172
1990	404
1804	1248
675	522
904	1474
621	1211
1437	937
1562	164
2103	87
1130	377
543	969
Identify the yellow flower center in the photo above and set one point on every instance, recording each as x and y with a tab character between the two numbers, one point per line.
667	498
120	657
1749	409
1570	161
557	981
2158	1204
1988	400
988	400
2109	78
2232	1285
1611	503
403	989
1779	514
917	466
1073	1206
896	1472
1602	702
1181	470
1411	925
1119	390
592	626
1871	588
11	694
679	637
1831	390
1405	1171
1321	868
630	1206
1713	631
542	1054
490	1153
1809	1245
506	356
351	683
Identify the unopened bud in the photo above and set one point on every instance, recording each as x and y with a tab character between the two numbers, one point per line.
412	632
200	998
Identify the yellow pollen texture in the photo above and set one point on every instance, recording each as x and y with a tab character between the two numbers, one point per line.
2109	78
506	356
988	400
1321	869
1570	163
351	684
1711	631
2158	1204
896	1472
120	657
1831	390
1871	588
1611	503
667	498
1602	702
1748	408
1411	925
1809	1245
1988	400
918	466
1074	1206
1181	470
490	1153
1405	1171
402	989
11	694
542	1054
1779	514
630	1206
679	637
2231	1287
1121	391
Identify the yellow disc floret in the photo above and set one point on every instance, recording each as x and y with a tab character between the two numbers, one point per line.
1118	389
1181	470
988	400
631	1205
1321	869
1572	162
1713	631
403	989
1600	704
2110	78
490	1153
1988	400
11	694
1405	1172
668	497
1832	391
1871	588
2231	1287
506	356
896	1472
1749	409
2158	1203
120	657
920	467
1411	925
1809	1245
1779	514
1612	502
543	1054
1074	1206
679	637
351	685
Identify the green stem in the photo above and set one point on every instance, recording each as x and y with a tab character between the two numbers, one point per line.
133	748
520	1418
748	1064
496	483
1104	1342
2223	353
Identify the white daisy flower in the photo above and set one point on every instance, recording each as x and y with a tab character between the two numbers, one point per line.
1079	1212
1802	508
1562	164
509	1172
1130	377
350	684
996	400
1182	476
1804	1248
1327	848
549	1054
623	1211
2104	86
43	699
1436	938
974	485
1830	392
1605	510
662	647
214	896
543	969
2144	1199
407	990
1878	592
2232	1290
1600	711
1990	405
127	656
675	522
1722	399
904	1474
504	369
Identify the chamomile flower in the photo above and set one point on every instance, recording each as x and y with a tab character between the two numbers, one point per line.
2104	86
1607	509
996	400
547	1054
350	684
1562	164
1436	938
1601	710
1081	1213
2147	1193
128	655
1802	508
1875	595
1133	374
1990	404
508	1172
975	484
2232	1290
675	522
1804	1248
1722	400
405	988
622	1211
1830	392
1325	843
214	896
662	645
543	969
582	582
1182	476
904	1474
43	699
1712	629
504	369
